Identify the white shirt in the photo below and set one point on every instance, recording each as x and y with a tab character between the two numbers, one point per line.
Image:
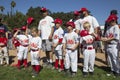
70	39
56	36
35	43
23	39
92	20
45	26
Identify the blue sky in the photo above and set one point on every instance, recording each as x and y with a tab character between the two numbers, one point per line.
99	8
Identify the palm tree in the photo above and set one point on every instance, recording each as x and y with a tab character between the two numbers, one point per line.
2	9
13	4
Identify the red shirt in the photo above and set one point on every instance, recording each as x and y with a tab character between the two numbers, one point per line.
3	41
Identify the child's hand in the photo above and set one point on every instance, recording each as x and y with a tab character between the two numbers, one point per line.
103	38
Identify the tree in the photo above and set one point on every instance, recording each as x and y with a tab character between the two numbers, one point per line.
2	9
13	4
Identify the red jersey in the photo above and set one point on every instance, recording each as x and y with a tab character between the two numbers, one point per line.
3	41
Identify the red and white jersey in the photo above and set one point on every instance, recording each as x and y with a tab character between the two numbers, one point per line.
87	41
16	42
70	39
45	26
58	34
113	31
35	43
23	39
3	41
92	20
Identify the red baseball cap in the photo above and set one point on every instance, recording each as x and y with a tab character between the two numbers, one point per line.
43	9
76	13
58	20
30	20
84	33
70	23
112	18
15	29
83	9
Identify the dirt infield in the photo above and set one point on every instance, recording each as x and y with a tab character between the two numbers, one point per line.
100	58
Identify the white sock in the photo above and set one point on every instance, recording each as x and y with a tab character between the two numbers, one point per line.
50	60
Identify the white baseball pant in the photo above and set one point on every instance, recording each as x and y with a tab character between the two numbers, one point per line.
35	57
22	52
112	51
71	60
89	60
58	54
4	54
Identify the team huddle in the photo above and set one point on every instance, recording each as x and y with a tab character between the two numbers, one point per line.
82	33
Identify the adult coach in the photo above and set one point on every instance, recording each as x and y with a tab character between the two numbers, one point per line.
86	17
46	30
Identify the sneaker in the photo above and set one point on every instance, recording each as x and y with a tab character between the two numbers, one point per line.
73	74
34	74
116	74
91	73
15	65
85	74
53	68
110	73
45	64
60	70
67	72
49	65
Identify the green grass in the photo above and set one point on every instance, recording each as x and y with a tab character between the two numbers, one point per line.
11	73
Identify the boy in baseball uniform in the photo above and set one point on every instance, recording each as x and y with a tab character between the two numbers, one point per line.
3	48
87	40
57	44
23	48
16	43
70	44
112	39
35	48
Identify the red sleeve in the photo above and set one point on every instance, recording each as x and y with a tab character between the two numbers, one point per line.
60	40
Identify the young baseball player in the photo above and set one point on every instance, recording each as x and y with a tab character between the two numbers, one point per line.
75	19
70	44
35	47
112	40
16	43
88	49
3	48
57	44
23	48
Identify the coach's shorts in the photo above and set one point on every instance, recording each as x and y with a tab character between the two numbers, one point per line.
46	45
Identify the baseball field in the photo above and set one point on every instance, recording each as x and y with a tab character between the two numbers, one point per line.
12	73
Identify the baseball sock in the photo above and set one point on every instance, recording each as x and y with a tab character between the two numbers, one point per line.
56	64
37	68
25	62
33	67
62	64
19	64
